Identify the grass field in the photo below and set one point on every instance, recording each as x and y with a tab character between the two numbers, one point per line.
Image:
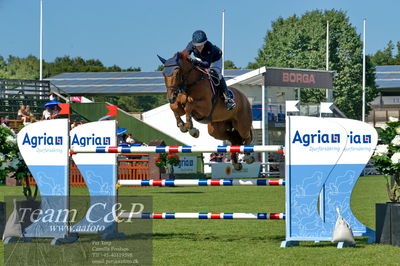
246	242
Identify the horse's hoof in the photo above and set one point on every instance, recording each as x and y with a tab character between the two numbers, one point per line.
194	132
249	159
183	129
237	166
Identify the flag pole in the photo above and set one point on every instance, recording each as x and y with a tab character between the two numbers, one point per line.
41	41
363	78
327	57
223	42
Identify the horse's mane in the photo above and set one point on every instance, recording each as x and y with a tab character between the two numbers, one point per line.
184	55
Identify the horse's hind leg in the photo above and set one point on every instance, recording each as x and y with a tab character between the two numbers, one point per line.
224	131
235	139
245	130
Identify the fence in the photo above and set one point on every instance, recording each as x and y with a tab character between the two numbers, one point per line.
130	167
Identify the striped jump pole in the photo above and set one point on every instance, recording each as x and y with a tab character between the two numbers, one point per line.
177	149
200	182
202	215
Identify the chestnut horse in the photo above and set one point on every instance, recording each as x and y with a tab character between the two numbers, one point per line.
190	93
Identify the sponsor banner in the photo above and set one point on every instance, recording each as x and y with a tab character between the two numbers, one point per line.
187	165
314	141
361	141
99	170
226	170
101	133
324	159
44	142
76	99
298	78
44	147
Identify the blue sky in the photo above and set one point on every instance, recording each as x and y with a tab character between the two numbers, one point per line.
131	33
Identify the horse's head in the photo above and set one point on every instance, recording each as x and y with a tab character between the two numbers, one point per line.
175	74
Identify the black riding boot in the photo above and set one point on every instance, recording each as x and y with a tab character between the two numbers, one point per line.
229	102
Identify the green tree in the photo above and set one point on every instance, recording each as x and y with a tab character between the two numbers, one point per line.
228	64
23	68
3	69
252	65
160	68
78	64
133	69
299	42
398	53
386	56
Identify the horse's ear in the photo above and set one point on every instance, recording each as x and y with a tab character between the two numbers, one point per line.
161	59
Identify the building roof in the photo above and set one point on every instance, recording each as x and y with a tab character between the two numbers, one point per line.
387	78
114	83
119	83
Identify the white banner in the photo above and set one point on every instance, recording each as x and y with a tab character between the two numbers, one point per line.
187	165
44	142
226	170
101	133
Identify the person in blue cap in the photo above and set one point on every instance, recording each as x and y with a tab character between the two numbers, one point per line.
209	56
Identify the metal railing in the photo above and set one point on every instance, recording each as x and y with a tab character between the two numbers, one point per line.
15	92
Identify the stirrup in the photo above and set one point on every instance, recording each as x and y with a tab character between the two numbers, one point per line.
230	104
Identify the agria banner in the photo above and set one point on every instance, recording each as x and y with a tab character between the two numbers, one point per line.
99	171
324	156
44	147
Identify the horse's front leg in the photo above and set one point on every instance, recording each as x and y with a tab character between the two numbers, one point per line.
178	112
180	123
194	132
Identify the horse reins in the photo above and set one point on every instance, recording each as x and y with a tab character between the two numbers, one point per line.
181	87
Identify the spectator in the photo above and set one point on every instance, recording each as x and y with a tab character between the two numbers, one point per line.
129	139
5	122
74	124
2	121
46	114
216	157
21	114
273	167
52	97
122	138
29	114
55	112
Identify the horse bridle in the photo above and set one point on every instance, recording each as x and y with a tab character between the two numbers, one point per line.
182	86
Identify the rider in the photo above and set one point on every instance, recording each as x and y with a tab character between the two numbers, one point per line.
209	56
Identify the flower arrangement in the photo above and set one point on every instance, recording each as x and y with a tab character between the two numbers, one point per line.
167	161
11	161
9	156
387	157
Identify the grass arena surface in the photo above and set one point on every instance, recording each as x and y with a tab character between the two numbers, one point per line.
244	242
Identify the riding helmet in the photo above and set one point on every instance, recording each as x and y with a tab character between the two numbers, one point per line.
199	38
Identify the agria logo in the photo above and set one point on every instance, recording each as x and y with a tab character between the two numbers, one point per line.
35	141
318	138
91	140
